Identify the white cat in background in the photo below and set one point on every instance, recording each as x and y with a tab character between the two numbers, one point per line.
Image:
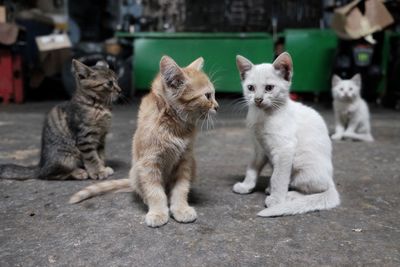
289	135
351	111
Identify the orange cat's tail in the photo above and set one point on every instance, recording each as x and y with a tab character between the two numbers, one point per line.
101	188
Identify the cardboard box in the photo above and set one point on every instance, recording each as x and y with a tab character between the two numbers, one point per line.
3	17
55	50
53	42
349	23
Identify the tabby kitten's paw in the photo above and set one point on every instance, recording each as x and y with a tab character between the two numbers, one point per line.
184	215
242	188
105	172
271	201
102	174
156	219
79	174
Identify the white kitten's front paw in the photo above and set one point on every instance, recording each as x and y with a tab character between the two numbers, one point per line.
242	188
184	214
271	201
337	136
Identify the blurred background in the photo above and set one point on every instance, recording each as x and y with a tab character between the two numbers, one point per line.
39	38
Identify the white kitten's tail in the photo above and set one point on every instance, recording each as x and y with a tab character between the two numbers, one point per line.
361	137
101	188
304	203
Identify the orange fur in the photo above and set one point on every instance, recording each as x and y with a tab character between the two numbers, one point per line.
162	149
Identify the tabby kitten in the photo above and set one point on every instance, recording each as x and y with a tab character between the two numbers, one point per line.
162	151
73	137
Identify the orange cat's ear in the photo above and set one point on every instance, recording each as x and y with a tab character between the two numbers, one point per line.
171	73
80	69
197	64
243	65
283	63
335	80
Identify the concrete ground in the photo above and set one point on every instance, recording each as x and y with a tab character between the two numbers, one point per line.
39	228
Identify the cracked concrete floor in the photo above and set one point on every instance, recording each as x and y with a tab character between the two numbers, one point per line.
39	228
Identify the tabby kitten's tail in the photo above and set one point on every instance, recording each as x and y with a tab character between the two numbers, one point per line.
101	188
17	172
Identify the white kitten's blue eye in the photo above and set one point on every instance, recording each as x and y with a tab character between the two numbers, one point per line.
350	89
341	89
269	87
250	88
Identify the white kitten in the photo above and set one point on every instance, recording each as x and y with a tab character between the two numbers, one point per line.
351	111
289	135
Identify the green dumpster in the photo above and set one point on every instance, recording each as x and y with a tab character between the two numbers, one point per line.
313	52
219	51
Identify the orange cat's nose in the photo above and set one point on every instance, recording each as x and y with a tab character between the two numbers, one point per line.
216	107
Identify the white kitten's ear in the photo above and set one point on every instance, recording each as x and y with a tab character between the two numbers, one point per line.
171	73
357	79
80	69
335	80
197	64
284	64
243	65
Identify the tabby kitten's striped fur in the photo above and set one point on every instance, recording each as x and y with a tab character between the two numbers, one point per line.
74	132
163	161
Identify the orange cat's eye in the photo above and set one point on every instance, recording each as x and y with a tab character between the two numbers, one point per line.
208	95
269	88
250	87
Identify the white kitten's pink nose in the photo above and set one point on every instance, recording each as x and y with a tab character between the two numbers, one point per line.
258	100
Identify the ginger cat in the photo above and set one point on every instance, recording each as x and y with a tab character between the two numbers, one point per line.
163	164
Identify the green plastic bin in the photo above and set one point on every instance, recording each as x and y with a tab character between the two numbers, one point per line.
313	52
219	51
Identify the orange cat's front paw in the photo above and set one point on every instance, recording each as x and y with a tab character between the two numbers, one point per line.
156	219
184	215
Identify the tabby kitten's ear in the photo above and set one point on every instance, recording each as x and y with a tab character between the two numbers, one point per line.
171	73
243	65
284	64
335	80
197	64
357	79
80	69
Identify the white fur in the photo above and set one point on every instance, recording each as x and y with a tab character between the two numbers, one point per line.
351	111
293	138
